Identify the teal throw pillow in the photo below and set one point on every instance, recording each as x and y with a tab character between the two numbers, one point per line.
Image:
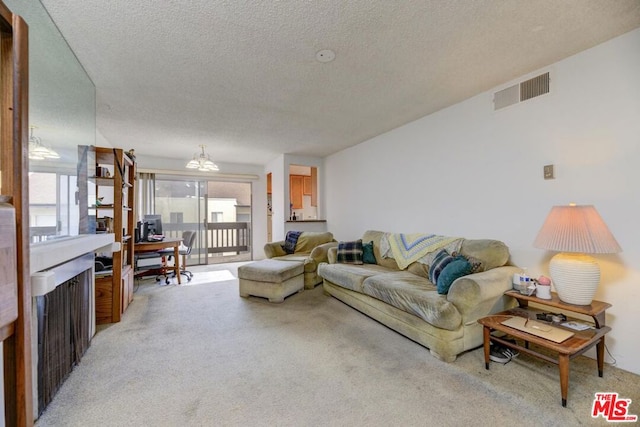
367	253
457	268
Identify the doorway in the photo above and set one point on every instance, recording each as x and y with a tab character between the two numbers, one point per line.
303	192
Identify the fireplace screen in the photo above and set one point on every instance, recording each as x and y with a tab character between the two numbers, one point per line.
64	333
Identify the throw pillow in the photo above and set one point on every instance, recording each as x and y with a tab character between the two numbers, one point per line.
290	241
440	261
455	269
367	253
350	252
310	239
476	264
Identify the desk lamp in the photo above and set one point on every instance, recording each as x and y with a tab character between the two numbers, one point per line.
575	231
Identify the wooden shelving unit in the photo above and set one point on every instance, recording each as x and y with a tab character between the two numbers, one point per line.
115	213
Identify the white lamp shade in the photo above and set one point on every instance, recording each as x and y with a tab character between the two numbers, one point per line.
578	230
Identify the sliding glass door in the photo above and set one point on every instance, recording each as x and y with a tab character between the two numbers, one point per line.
220	213
181	204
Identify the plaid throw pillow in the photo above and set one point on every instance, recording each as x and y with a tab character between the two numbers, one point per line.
350	252
290	241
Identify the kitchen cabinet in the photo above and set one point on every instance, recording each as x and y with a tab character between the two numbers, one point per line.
296	189
306	185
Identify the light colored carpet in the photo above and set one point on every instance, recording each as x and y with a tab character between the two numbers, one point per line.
199	355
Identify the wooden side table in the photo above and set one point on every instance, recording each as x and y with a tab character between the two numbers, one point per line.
566	350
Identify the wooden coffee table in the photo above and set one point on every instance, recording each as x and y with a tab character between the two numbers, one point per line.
566	350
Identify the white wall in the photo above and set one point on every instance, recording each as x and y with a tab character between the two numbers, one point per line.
279	203
469	171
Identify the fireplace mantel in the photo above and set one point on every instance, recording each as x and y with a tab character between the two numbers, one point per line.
55	252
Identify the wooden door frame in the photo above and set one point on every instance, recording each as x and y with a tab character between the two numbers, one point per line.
14	122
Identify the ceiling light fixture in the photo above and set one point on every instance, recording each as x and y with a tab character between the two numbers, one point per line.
37	150
202	162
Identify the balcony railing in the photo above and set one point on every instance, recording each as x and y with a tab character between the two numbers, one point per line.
217	238
227	237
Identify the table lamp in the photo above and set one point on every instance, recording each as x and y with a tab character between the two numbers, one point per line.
575	231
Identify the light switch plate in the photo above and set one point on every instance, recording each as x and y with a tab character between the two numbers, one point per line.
548	172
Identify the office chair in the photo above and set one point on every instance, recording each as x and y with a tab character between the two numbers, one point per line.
188	240
148	270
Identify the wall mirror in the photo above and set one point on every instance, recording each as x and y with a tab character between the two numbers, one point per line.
62	116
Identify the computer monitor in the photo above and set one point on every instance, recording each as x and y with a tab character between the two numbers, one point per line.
154	224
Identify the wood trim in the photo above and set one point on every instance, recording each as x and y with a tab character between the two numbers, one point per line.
6	331
13	141
5	18
314	186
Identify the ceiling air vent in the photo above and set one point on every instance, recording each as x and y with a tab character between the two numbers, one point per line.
523	91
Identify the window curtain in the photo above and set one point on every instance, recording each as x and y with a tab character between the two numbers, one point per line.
146	194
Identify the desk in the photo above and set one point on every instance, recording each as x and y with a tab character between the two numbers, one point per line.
165	244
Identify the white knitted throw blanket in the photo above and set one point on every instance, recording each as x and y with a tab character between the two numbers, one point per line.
408	248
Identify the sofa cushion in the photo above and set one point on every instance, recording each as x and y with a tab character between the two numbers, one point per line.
270	271
368	257
292	257
489	253
310	239
419	269
350	252
457	268
349	276
415	295
376	237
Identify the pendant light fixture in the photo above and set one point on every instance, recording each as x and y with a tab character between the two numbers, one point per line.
202	162
37	150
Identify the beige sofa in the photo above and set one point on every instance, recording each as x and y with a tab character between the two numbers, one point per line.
406	301
311	249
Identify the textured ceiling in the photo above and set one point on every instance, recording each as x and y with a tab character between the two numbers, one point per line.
241	76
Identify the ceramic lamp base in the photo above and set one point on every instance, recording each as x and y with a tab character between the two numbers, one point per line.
575	276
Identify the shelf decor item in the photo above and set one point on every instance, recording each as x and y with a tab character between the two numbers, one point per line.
575	231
